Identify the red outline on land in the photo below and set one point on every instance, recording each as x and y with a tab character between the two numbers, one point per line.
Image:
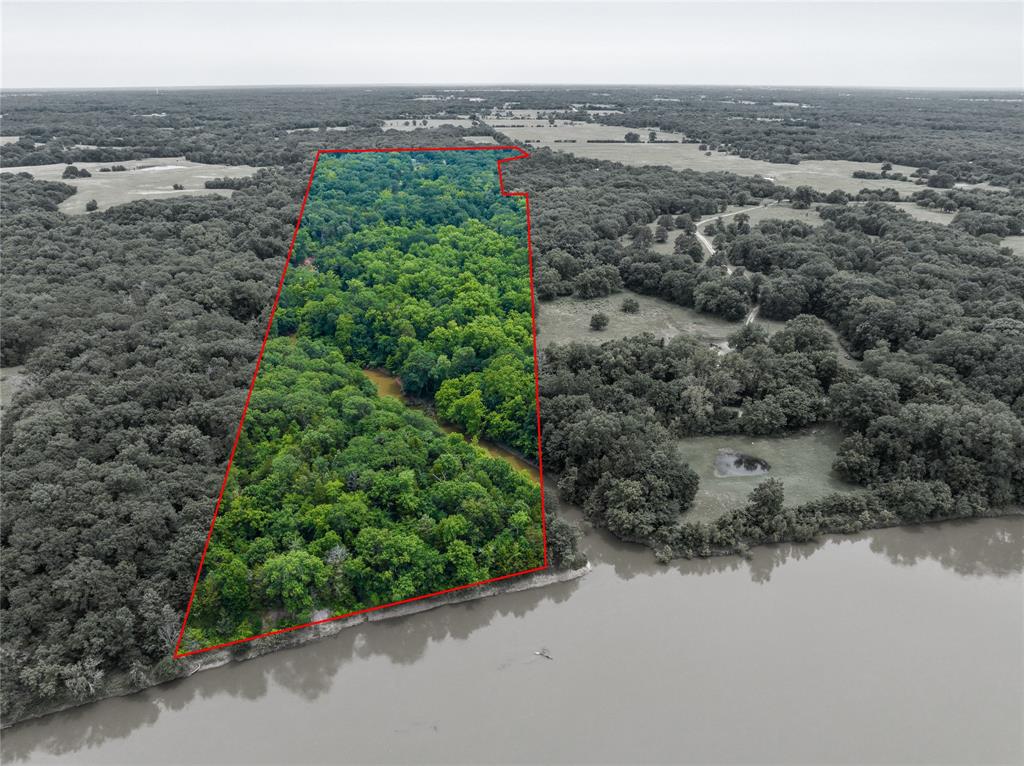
266	336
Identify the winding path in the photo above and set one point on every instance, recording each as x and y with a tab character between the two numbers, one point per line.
706	243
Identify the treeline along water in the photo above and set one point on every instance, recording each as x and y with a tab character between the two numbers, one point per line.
859	644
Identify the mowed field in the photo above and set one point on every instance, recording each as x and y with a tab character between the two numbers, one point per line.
566	320
923	213
802	461
822	175
1016	244
433	122
778	212
152	178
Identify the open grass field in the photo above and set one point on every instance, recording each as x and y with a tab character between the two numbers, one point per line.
924	213
568	319
802	461
152	178
1014	243
433	122
823	175
11	379
316	129
779	212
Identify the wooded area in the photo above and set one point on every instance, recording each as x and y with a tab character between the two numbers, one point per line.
137	329
339	500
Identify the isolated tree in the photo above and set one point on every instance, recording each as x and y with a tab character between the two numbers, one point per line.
802	197
598	321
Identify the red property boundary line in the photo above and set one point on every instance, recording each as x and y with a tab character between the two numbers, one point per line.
178	654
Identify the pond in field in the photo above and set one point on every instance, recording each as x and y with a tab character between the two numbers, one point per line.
896	646
729	467
729	462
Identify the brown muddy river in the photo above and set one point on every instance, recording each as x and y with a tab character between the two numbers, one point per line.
898	646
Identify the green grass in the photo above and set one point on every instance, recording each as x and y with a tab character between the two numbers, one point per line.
1014	243
823	175
568	319
432	122
117	188
802	461
924	213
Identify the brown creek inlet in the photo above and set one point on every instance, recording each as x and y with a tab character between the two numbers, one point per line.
388	385
903	645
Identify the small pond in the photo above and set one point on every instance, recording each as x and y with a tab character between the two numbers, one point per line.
729	462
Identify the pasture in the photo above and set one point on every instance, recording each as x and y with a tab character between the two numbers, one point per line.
1016	244
822	175
802	461
779	212
566	320
433	122
152	178
924	213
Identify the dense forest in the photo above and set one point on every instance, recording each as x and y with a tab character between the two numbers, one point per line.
137	329
339	500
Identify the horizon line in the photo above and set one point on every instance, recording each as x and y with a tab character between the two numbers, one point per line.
503	85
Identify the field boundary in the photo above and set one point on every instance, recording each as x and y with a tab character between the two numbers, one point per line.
178	654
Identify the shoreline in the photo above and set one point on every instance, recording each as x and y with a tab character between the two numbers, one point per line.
252	650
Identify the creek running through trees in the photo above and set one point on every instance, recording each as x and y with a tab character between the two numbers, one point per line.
388	385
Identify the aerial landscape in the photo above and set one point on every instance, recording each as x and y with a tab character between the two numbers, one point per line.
489	421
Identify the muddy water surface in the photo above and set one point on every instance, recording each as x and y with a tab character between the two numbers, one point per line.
899	646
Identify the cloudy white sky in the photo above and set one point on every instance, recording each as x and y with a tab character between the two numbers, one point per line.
882	44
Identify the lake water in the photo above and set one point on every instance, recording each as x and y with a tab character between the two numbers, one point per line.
901	646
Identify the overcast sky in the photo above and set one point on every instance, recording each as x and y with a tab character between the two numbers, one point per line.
117	44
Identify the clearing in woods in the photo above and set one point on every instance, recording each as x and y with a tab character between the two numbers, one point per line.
151	178
802	461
